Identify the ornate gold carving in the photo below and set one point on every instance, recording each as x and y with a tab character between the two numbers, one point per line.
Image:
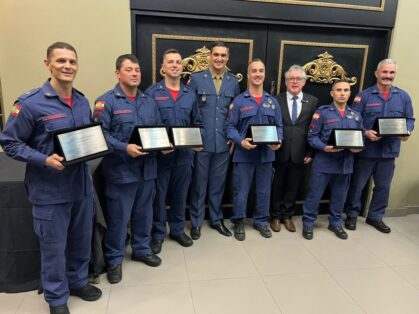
198	61
326	71
319	44
328	4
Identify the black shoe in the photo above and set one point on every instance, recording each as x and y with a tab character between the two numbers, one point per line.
264	231
114	273
182	239
239	233
350	223
308	233
221	228
339	232
87	293
379	225
151	259
155	246
195	233
61	309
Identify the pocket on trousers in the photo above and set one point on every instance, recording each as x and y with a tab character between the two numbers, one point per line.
42	217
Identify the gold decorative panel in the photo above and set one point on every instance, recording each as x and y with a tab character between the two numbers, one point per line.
199	60
326	71
379	8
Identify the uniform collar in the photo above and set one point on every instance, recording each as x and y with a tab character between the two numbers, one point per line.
119	93
214	75
162	86
49	91
247	94
393	89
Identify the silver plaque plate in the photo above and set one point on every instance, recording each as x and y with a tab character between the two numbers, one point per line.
348	139
264	134
154	138
187	136
82	143
392	127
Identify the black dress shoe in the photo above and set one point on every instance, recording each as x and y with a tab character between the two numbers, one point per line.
379	225
339	232
350	223
151	259
61	309
87	293
264	231
221	228
195	233
239	233
114	273
182	239
308	233
155	246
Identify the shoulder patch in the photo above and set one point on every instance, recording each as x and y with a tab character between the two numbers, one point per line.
357	98
99	105
316	116
16	109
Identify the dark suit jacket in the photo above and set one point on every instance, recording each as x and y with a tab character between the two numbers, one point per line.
294	146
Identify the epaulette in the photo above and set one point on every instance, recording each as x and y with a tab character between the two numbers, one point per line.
78	92
323	107
30	93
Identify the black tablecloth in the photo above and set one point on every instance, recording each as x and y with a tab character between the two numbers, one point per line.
19	247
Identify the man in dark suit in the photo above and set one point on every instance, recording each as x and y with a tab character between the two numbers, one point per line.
297	110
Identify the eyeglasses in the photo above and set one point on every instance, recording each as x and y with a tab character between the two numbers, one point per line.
295	79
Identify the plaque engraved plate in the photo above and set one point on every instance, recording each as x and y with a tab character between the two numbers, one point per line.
151	138
186	136
391	126
81	143
346	138
263	134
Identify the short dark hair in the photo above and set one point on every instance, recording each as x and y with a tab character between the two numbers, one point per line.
122	58
340	81
219	44
59	45
253	61
171	50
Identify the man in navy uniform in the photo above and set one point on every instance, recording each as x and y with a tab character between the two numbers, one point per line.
254	106
215	89
62	197
378	158
129	172
297	108
330	166
178	107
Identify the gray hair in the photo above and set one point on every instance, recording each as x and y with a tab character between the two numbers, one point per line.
296	67
386	61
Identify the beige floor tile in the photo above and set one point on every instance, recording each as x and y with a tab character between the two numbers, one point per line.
336	254
173	298
406	223
232	296
35	304
280	256
172	269
379	290
310	293
394	248
223	260
413	235
410	273
11	301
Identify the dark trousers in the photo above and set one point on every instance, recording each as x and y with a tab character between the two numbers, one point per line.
65	234
287	180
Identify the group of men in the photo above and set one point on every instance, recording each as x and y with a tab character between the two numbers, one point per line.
138	183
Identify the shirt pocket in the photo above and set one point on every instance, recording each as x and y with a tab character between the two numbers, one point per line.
165	109
53	125
203	96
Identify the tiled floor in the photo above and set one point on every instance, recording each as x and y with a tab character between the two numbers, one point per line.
368	273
